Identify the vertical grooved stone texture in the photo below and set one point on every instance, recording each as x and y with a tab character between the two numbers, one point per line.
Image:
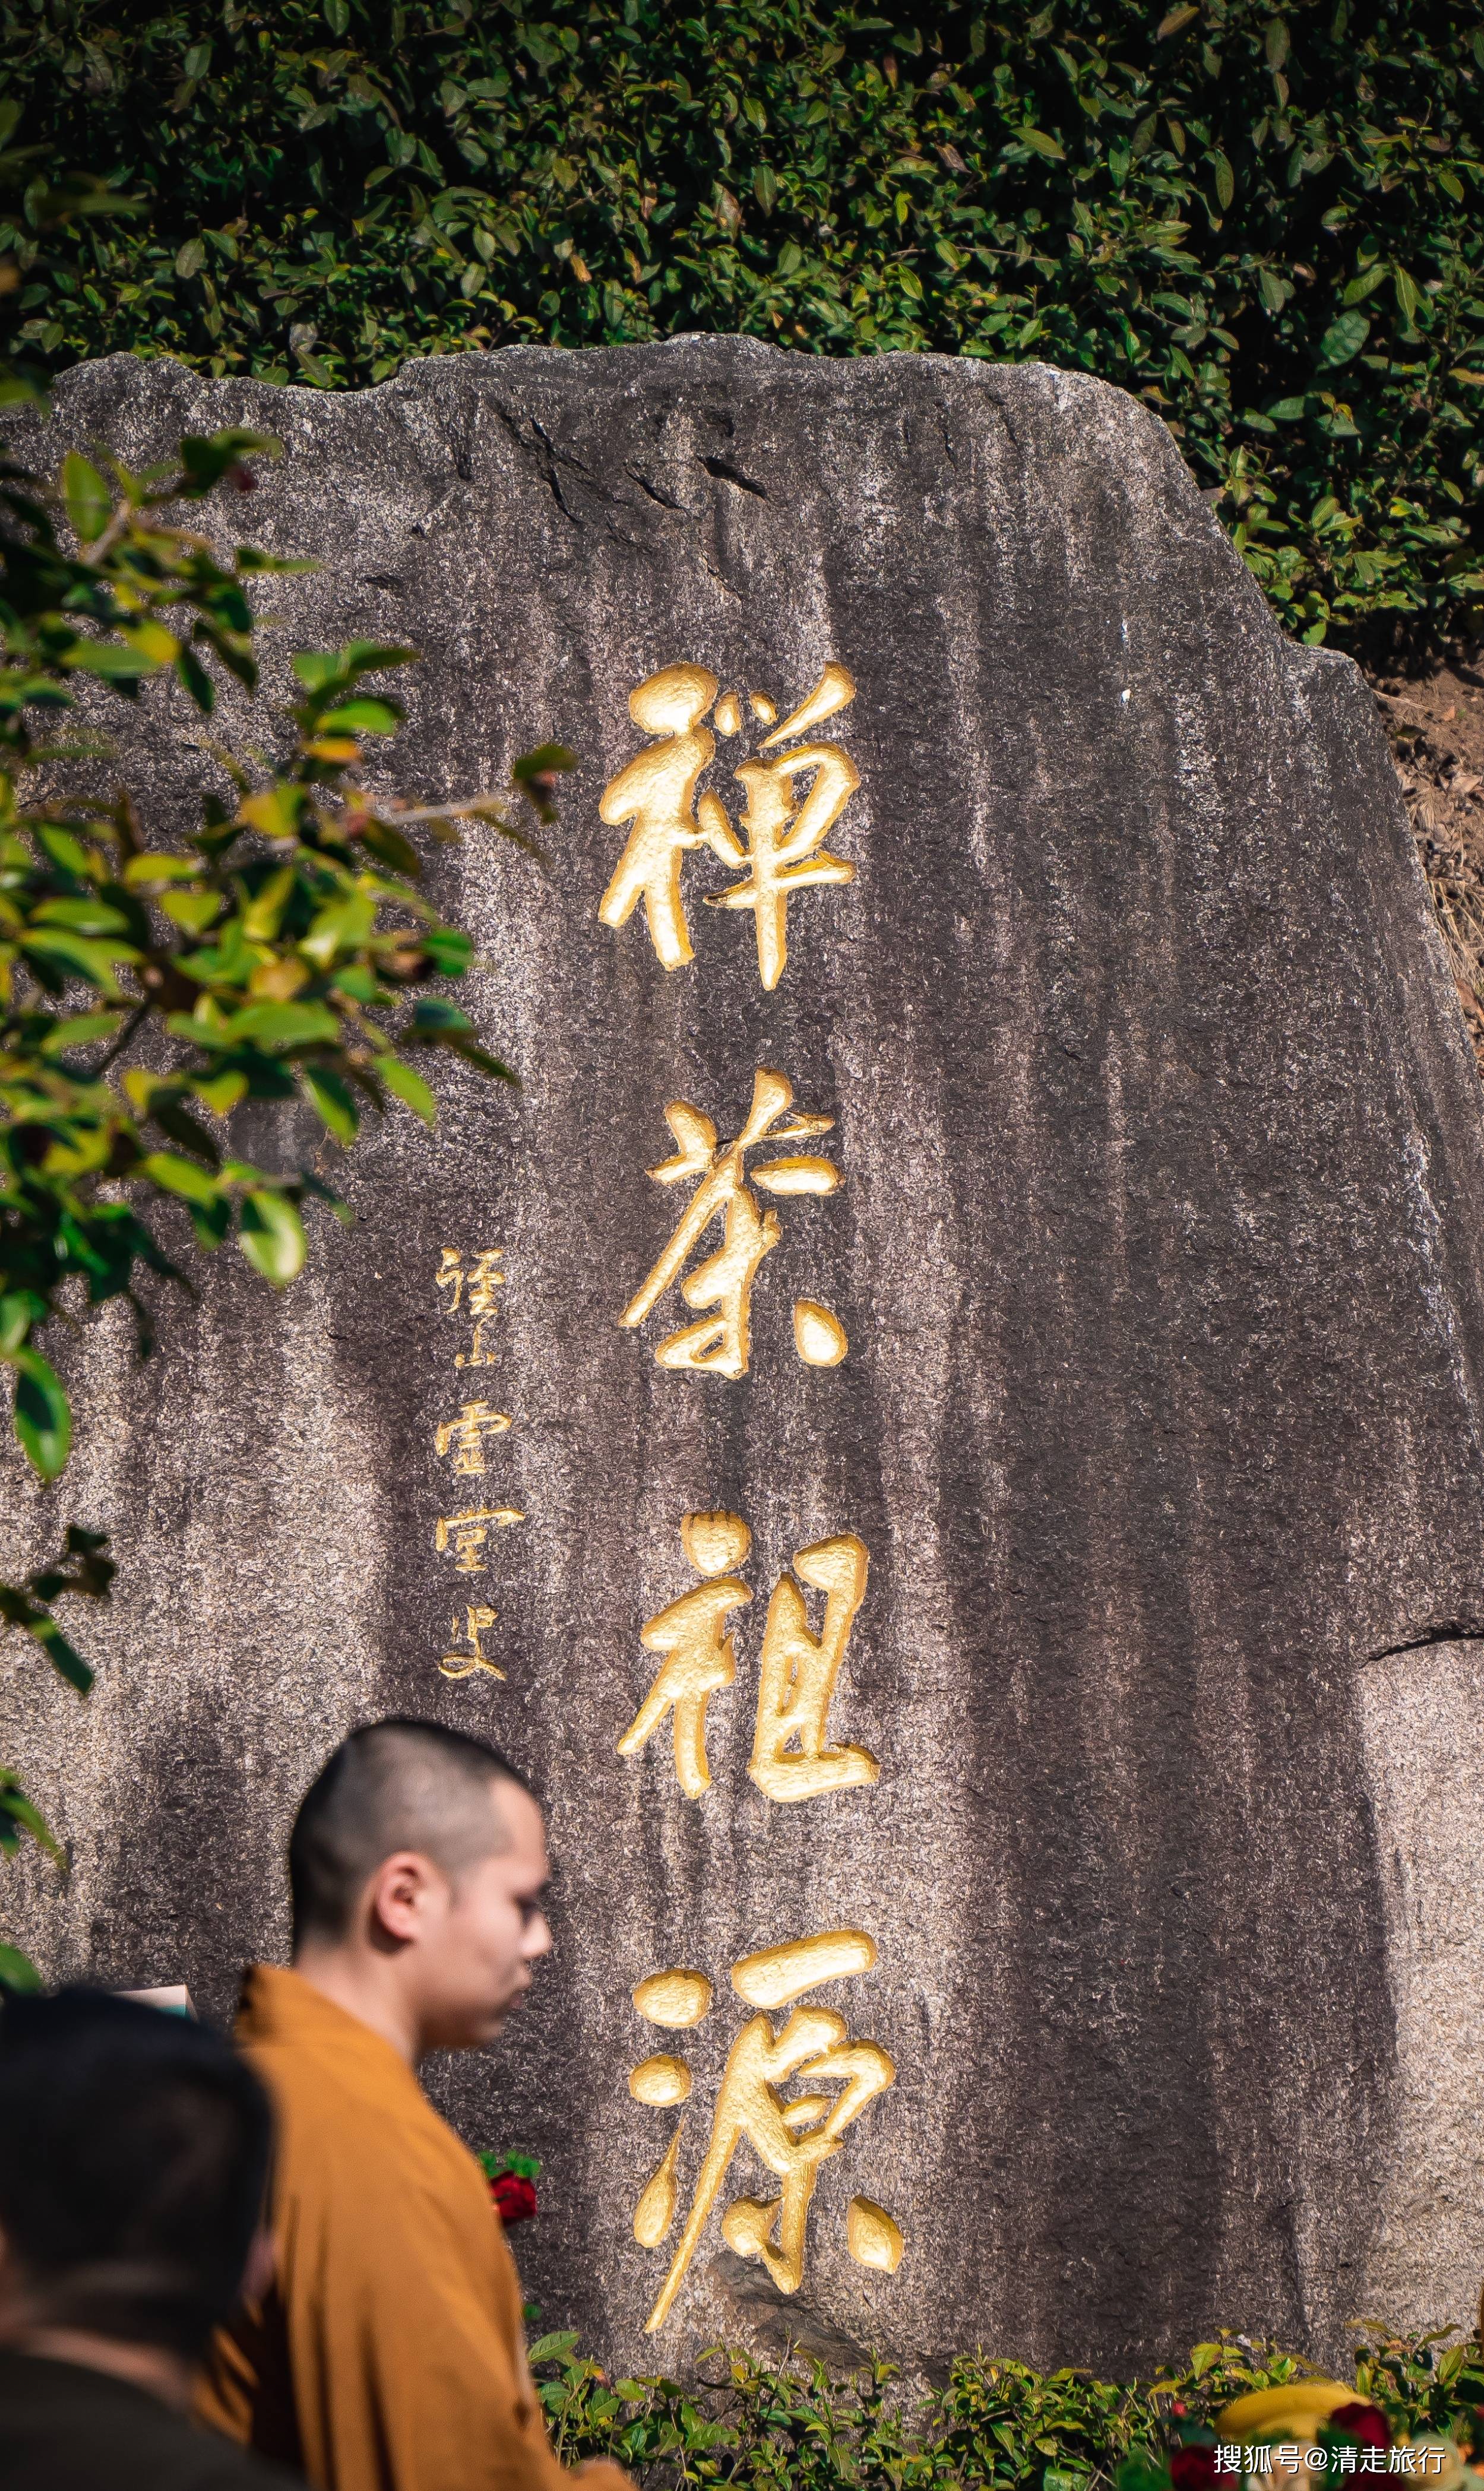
1156	1250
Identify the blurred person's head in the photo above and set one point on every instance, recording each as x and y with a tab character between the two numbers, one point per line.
133	2157
417	1866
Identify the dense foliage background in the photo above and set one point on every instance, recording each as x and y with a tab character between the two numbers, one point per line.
995	2425
1264	217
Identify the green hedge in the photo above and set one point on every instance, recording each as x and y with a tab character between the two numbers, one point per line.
999	2423
1263	218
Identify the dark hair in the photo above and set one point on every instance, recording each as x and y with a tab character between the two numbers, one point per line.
395	1785
134	2157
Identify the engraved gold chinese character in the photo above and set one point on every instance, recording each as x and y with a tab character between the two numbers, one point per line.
799	1673
466	1534
785	836
719	1344
450	1275
791	1756
464	1436
656	792
791	2137
785	822
471	1663
481	1280
699	1654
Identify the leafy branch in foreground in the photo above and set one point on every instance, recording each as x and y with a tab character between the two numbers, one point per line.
280	952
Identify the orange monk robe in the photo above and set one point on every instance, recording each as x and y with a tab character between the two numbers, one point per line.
388	2354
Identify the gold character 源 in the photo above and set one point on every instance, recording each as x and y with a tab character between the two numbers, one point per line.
791	2137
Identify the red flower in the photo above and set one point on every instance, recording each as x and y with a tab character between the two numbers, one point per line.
1193	2468
513	2198
1361	2422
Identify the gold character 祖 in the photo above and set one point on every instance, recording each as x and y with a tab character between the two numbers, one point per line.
792	1757
799	1673
699	1656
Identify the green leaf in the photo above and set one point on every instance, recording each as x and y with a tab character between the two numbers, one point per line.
1224	178
64	1659
552	2348
19	1309
276	1025
181	1176
17	1971
211	1221
158	866
1343	337
435	1012
450	950
318	668
1042	142
546	759
345	925
205	458
83	916
1408	298
1361	288
173	1117
197	681
221	1092
88	501
264	913
392	848
42	1420
271	1235
332	1097
18	1815
192	910
408	1086
364	715
111	658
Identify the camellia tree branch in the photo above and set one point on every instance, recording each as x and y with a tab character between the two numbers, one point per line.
282	951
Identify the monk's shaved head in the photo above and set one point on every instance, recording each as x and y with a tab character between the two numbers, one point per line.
395	1786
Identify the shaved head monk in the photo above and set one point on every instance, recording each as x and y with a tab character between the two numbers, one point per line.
387	2353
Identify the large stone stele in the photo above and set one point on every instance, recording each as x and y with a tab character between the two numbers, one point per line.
1157	1248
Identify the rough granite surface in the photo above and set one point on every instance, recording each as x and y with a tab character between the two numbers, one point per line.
1158	1252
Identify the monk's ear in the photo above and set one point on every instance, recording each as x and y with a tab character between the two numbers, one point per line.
398	1896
